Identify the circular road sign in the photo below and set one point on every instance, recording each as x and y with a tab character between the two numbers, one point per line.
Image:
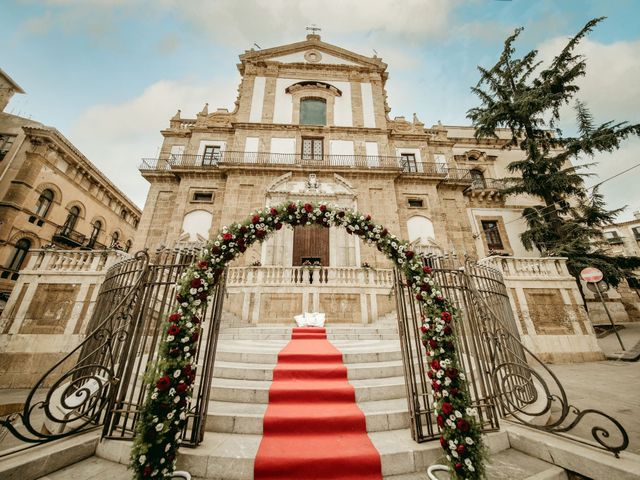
591	275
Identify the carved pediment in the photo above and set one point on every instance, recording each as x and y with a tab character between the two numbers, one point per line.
312	186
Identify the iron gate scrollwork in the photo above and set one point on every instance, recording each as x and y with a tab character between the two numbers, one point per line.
505	378
75	394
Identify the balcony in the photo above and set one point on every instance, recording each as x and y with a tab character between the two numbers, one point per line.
485	188
68	237
289	160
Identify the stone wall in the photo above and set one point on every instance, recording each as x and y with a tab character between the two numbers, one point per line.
550	315
49	310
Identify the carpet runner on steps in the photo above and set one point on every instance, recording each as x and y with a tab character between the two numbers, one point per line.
313	428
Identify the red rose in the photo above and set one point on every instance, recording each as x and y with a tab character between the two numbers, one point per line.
368	218
463	425
460	449
447	408
179	298
255	219
215	250
174	317
439	299
195	319
187	369
427	269
174	352
423	328
291	208
227	237
435	386
340	214
181	387
458	466
203	265
447	330
446	316
273	212
278	226
418	295
196	283
147	471
435	364
454	391
384	232
430	374
194	337
173	330
260	233
425	287
452	373
440	421
433	343
409	254
243	230
308	207
163	383
323	208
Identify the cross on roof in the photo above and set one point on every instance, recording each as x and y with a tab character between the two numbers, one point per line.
314	29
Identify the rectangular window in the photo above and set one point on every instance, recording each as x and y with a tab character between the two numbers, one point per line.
492	234
636	232
415	203
408	161
312	148
205	197
313	111
211	155
6	141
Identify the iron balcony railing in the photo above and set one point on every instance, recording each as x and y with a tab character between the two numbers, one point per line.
175	162
486	184
69	237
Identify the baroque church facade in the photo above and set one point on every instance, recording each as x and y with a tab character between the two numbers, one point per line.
311	123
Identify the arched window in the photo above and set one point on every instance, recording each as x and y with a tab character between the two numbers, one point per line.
127	246
477	177
44	203
197	224
97	227
19	254
420	228
115	236
72	219
313	111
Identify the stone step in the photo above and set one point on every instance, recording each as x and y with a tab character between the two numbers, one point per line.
259	371
224	456
266	352
247	335
257	391
242	418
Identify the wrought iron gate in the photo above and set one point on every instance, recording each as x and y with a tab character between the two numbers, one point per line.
102	381
505	378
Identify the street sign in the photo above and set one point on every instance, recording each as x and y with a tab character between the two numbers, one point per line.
591	275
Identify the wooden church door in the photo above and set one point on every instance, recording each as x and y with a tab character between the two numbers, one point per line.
311	244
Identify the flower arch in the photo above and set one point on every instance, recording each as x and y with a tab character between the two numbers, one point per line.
163	414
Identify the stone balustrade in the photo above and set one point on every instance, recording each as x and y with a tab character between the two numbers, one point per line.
305	276
538	268
52	260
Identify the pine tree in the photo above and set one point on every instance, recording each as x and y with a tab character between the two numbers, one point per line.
526	97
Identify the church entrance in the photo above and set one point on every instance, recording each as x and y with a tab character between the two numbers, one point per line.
310	246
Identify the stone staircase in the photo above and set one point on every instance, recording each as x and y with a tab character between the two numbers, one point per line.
245	360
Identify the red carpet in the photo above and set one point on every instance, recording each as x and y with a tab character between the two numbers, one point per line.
313	428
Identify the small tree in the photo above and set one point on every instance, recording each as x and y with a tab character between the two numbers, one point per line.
520	94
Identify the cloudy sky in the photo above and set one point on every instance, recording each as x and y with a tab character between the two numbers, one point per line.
109	73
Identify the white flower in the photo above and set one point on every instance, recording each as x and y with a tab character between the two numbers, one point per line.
176	374
467	461
167	447
142	459
468	441
458	414
170	338
162	460
193	291
172	392
454	454
154	395
159	427
186	349
177	399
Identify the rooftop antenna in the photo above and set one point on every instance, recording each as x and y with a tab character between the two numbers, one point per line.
259	47
314	29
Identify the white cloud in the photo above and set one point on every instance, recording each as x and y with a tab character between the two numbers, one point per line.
115	137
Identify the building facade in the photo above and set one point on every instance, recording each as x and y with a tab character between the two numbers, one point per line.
53	196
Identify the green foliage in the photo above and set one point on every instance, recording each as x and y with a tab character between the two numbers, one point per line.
525	97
